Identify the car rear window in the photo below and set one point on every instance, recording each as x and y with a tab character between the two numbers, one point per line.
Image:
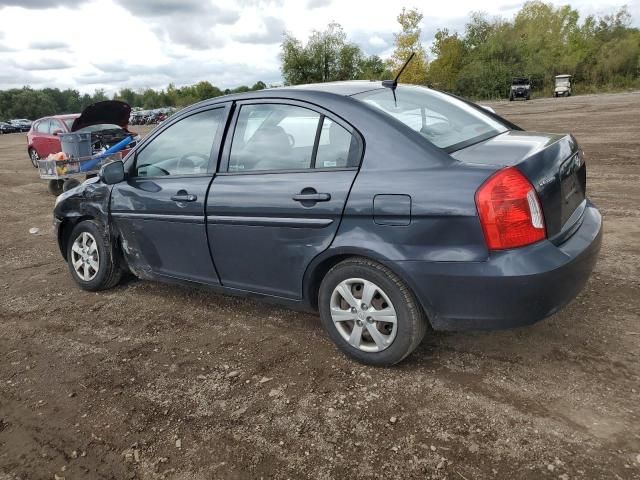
447	122
68	122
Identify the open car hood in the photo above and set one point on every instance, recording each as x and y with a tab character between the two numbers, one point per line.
110	111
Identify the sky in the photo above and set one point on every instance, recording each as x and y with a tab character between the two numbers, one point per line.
111	44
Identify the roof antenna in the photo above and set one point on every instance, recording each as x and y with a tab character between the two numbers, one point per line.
392	84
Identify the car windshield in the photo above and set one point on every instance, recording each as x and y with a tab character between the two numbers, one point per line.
520	81
446	121
562	82
68	122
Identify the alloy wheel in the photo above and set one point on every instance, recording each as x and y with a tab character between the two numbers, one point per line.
363	315
85	256
34	157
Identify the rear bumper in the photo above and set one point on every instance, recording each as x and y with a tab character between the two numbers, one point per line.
513	287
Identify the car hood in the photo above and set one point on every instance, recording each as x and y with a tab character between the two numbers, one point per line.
108	112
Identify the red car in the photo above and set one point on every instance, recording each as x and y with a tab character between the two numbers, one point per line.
43	139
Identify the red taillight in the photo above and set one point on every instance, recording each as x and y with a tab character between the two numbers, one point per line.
509	211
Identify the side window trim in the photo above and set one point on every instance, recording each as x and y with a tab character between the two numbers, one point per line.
223	167
316	142
215	147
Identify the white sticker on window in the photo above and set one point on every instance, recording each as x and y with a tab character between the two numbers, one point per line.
330	163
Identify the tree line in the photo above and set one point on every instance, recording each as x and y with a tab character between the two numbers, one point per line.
541	41
32	103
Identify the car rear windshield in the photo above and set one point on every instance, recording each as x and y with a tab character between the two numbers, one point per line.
68	122
445	121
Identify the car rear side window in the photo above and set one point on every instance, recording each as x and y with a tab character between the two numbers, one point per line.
184	148
337	148
272	137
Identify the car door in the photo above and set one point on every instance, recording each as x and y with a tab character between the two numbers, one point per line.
277	200
41	138
159	210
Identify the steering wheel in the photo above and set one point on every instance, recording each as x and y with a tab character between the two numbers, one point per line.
187	159
292	141
166	172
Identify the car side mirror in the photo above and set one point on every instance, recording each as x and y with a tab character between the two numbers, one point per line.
112	173
57	132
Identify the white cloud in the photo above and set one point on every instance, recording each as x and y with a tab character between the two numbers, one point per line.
377	41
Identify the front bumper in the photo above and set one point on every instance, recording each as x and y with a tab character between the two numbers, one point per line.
57	224
513	287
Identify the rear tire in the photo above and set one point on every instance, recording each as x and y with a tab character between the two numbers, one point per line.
89	258
362	331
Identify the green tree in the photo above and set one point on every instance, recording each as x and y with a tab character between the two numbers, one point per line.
450	53
373	68
326	57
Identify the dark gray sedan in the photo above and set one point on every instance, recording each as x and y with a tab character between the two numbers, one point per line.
387	209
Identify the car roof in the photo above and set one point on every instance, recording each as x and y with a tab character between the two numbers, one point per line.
347	88
59	117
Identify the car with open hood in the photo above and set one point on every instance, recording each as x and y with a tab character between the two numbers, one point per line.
386	208
107	122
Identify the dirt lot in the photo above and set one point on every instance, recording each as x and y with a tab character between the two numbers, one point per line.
154	381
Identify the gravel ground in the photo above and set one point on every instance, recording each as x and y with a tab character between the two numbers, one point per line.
153	381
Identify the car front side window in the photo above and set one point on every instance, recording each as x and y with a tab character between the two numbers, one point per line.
42	126
184	148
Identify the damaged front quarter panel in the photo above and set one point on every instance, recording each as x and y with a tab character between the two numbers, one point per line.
88	201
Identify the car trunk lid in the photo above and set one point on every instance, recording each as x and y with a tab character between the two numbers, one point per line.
553	163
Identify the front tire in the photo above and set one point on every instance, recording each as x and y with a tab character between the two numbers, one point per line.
370	313
55	187
89	257
34	157
69	184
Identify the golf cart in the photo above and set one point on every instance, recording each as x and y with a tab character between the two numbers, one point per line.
520	88
563	86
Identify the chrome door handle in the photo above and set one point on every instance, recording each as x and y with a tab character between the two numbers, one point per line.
312	197
184	198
